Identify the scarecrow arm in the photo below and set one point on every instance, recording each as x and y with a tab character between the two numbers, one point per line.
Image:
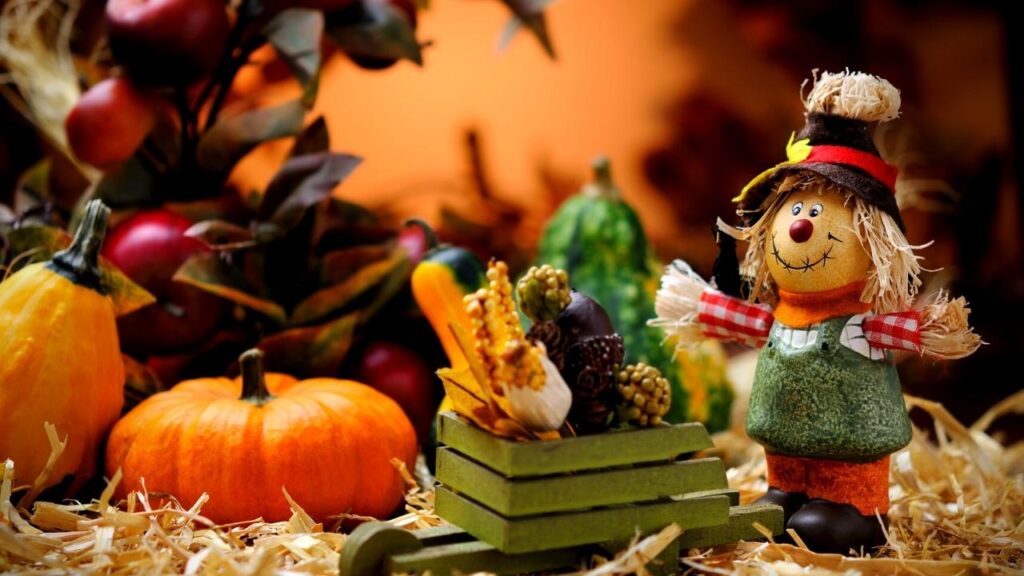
691	310
898	331
940	330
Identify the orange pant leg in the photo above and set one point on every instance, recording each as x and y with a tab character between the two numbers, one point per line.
865	486
787	473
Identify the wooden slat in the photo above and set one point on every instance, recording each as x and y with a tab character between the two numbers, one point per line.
515	497
739	527
733	494
437	535
476	556
562	530
616	448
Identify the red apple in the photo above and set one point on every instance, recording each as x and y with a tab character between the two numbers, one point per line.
167	42
149	247
402	375
109	122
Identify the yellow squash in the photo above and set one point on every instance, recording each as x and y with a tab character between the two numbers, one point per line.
59	359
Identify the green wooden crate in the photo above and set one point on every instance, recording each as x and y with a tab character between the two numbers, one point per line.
514	497
616	448
562	530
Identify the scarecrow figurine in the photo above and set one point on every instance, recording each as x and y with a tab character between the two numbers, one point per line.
832	281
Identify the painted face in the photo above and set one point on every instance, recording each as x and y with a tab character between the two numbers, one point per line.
812	245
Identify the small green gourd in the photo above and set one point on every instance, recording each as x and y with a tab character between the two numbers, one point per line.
599	240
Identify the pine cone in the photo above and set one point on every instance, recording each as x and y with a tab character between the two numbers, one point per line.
591	369
553	339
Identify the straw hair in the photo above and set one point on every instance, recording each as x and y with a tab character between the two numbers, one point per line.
894	278
854	95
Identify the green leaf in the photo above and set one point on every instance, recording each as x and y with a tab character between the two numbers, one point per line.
126	294
311	351
128	184
31	244
295	34
209	272
314	139
232	138
327	301
302	183
384	33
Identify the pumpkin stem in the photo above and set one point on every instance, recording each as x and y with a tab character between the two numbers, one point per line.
603	186
79	262
254	386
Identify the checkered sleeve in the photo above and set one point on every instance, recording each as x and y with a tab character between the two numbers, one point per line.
898	331
727	318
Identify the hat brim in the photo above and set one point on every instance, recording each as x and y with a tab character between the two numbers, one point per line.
850	178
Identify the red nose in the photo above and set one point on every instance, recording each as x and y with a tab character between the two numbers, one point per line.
801	230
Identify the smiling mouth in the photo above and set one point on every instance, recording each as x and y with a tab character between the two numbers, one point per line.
807	265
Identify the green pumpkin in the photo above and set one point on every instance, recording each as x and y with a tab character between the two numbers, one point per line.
599	240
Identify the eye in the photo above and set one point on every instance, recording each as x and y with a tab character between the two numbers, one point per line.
797	208
815	210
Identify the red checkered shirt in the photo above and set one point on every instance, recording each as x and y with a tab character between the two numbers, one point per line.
897	331
727	318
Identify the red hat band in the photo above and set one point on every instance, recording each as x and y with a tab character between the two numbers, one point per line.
865	161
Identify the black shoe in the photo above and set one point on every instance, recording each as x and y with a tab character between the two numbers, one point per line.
790	501
830	527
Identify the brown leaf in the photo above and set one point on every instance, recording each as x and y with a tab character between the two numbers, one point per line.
208	272
333	298
221	235
139	382
338	265
232	138
310	351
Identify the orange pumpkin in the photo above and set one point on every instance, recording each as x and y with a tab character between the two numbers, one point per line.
328	442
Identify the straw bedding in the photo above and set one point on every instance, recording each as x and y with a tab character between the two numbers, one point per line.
957	508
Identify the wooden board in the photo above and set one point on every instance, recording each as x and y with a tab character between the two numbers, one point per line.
616	448
514	497
733	494
476	556
562	530
739	527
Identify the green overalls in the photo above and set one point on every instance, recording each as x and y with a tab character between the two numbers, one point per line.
815	397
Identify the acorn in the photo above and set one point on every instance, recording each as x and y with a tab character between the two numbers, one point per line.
644	395
583	318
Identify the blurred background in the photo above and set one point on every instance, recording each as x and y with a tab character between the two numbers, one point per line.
689	99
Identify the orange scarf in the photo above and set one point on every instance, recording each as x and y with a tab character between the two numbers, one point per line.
802	309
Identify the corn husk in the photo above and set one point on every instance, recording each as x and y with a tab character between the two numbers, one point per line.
37	70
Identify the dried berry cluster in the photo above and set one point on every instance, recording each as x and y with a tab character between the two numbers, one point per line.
581	342
645	393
